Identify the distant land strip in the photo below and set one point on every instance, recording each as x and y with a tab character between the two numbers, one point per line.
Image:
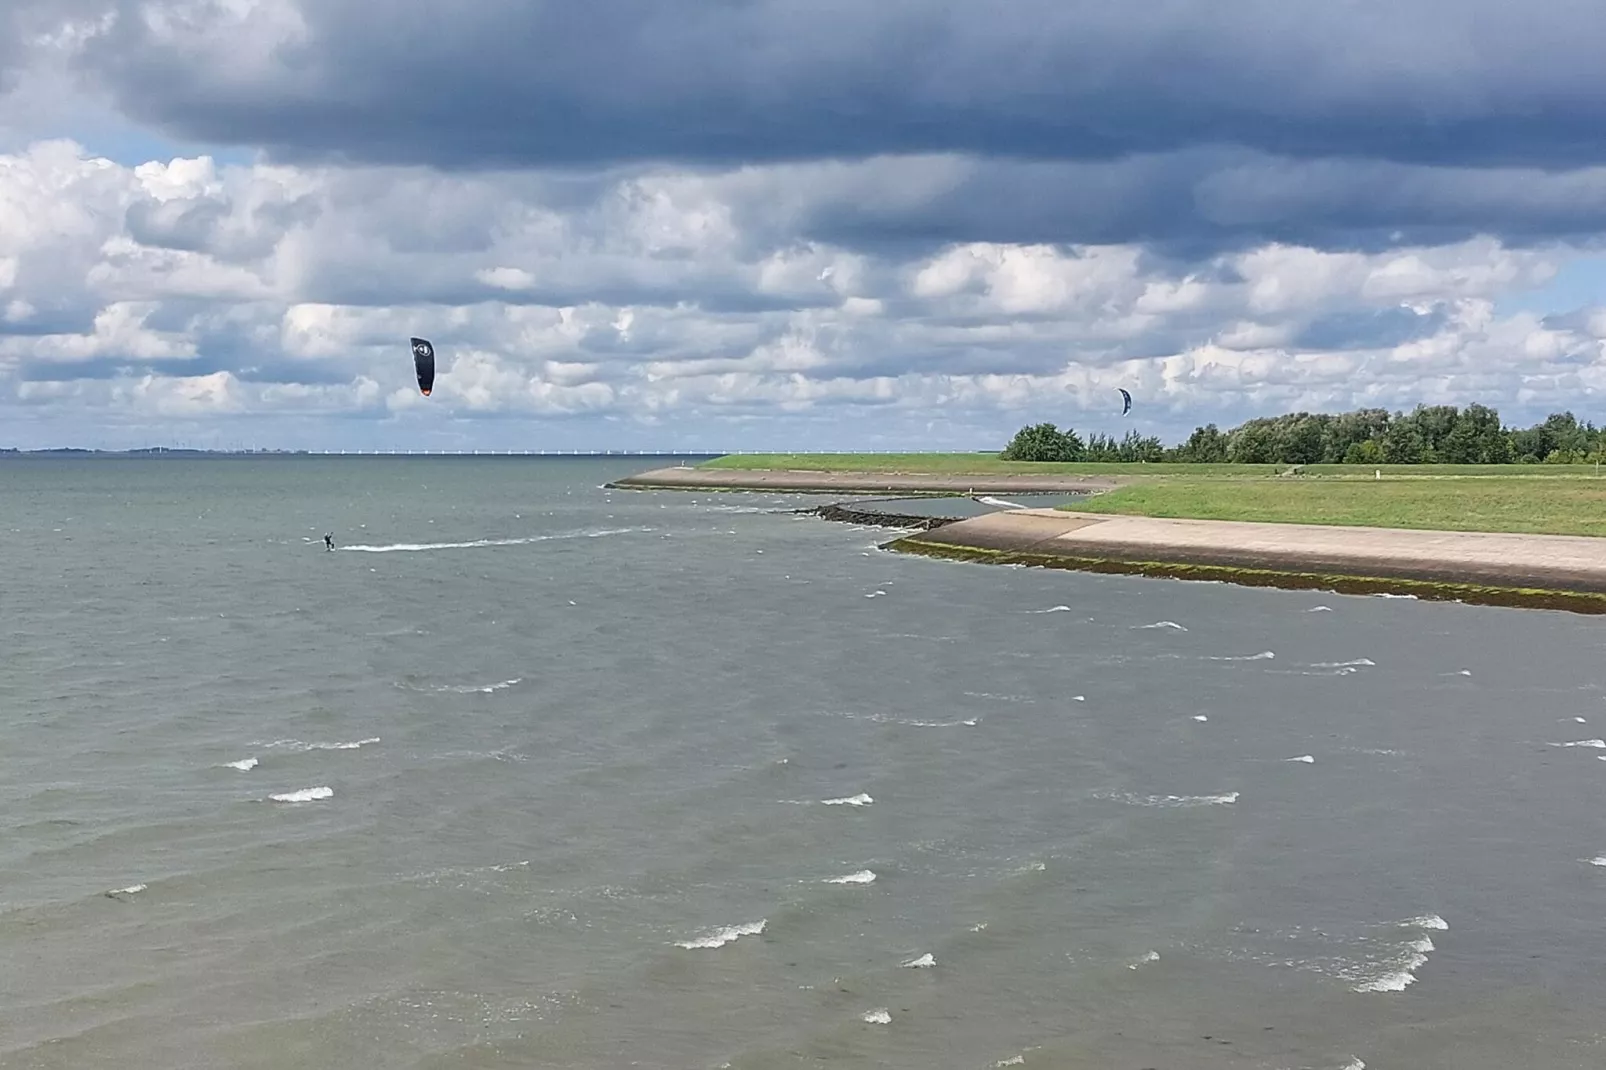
802	481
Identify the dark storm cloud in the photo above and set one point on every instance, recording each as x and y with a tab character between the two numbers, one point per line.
1186	205
480	83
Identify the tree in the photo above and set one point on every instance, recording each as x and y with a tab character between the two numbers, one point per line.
1253	443
1302	443
1207	445
1044	442
1403	444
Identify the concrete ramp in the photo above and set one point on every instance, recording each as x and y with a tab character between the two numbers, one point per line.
1215	549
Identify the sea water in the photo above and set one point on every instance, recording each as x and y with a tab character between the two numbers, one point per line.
528	772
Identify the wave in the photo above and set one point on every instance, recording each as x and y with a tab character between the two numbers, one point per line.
1426	921
132	889
1000	502
864	876
860	799
1225	799
474	544
299	746
1171	624
244	764
1354	663
924	962
468	689
1051	609
304	795
1399	974
1150	956
721	937
908	722
879	1016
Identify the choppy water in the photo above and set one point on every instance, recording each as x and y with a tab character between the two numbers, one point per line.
535	774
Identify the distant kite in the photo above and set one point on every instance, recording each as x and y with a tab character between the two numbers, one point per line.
1126	401
424	364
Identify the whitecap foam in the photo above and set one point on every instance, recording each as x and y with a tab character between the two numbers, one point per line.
1162	624
906	722
1306	758
303	795
1353	1064
1225	799
1000	502
1319	609
1356	662
1148	956
723	936
1597	744
1393	981
875	594
1599	860
924	962
132	889
879	1016
860	799
1264	655
864	876
1051	609
468	689
1426	921
298	745
1200	717
474	544
1385	594
1013	1060
244	764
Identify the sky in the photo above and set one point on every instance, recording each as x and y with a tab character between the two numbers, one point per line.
710	225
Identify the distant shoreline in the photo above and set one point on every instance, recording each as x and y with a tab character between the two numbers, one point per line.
1564	572
804	481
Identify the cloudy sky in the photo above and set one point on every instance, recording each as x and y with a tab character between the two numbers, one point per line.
803	224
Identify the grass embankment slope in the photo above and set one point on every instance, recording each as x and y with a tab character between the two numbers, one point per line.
1540	503
1533	499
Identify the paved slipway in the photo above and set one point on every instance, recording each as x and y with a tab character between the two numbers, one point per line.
804	481
1504	563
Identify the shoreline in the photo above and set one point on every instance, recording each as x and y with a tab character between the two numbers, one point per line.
1486	568
1559	572
808	482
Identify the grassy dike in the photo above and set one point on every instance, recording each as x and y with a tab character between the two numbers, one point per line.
1542	500
1530	499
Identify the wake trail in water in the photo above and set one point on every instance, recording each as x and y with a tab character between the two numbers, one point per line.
475	544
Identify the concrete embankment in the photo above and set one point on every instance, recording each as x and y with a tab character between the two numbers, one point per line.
710	479
1553	571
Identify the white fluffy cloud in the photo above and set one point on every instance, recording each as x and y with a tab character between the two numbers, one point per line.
677	308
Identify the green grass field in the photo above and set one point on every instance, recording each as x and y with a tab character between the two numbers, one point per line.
1559	505
1537	499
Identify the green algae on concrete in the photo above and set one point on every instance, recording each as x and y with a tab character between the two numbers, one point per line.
1426	590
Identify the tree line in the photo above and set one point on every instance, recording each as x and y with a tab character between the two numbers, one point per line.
1430	434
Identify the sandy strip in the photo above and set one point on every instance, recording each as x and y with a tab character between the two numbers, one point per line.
802	481
1555	563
